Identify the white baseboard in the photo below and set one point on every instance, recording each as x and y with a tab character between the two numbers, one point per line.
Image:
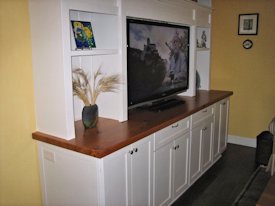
245	141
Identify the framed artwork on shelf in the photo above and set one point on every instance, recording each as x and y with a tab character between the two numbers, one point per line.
83	35
202	39
248	24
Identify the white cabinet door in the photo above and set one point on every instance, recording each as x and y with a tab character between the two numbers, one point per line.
128	175
195	153
171	161
216	136
163	175
140	168
115	177
223	126
181	155
207	133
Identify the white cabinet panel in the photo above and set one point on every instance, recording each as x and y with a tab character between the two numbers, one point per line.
115	177
181	156
201	115
207	144
223	124
221	128
140	183
68	177
163	136
163	175
171	161
216	139
201	144
128	175
195	154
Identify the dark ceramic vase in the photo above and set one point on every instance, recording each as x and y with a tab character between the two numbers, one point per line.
90	116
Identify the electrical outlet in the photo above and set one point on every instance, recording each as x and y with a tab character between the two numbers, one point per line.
49	155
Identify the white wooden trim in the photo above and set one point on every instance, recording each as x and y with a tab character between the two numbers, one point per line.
245	141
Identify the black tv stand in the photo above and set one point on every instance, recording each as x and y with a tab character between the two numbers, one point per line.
163	104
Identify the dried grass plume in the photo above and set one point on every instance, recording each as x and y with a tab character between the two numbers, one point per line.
101	83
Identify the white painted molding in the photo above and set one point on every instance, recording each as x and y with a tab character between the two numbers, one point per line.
245	141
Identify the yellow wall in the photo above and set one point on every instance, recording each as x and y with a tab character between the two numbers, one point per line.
19	179
250	74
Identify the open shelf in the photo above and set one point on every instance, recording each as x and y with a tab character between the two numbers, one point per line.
94	52
203	49
105	36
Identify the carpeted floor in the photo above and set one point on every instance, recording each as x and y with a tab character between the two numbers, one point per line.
253	188
221	185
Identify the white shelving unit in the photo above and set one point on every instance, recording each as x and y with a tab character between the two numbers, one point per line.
55	54
104	56
203	52
203	56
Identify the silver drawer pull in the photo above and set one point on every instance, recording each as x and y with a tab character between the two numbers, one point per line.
204	110
175	126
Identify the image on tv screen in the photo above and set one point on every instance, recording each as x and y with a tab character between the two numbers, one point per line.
157	62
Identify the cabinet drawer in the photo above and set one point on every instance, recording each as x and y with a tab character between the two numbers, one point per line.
167	134
223	102
201	115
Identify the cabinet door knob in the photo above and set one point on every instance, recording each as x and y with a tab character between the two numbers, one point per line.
204	110
176	147
135	149
131	152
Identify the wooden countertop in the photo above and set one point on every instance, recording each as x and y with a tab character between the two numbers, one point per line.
111	135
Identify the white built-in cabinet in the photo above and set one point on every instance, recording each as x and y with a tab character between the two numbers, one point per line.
128	175
155	170
152	171
171	159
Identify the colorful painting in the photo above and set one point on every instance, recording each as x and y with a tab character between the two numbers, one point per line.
83	35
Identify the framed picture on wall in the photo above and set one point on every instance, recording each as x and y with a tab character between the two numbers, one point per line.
248	24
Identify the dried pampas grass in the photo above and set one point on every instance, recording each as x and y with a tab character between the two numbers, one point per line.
101	83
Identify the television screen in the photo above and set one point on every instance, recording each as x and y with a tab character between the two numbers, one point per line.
157	60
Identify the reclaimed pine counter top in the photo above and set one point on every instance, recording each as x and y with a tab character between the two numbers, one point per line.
111	135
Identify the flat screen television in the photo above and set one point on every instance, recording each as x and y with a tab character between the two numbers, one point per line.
157	61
